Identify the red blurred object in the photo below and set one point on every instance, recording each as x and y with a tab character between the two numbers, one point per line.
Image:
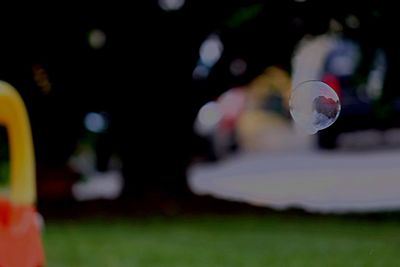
333	82
231	104
20	243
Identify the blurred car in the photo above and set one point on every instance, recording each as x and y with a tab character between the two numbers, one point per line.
362	105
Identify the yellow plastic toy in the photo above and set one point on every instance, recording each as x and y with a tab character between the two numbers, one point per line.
20	241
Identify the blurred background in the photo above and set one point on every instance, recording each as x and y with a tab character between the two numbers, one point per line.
163	135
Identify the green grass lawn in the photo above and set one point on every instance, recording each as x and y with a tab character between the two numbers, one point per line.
209	241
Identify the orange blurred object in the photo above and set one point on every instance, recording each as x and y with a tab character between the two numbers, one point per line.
20	241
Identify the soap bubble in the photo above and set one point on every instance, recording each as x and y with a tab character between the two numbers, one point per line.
314	106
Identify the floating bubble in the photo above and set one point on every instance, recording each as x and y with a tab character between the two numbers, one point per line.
314	106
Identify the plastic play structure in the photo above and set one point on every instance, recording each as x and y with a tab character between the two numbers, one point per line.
20	240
